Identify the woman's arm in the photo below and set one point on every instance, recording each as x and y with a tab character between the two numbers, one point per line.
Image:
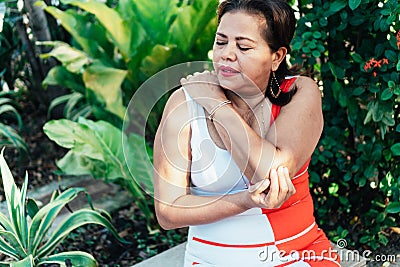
290	141
298	127
174	205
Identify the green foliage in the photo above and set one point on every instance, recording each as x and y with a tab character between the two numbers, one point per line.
117	49
8	135
114	50
31	242
12	61
96	149
353	47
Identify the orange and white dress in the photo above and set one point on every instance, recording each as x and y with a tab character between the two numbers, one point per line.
287	236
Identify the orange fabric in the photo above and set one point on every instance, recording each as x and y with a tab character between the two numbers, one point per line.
289	220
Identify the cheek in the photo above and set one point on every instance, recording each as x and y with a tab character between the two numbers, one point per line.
215	54
258	73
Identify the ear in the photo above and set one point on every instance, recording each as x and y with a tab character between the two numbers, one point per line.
278	57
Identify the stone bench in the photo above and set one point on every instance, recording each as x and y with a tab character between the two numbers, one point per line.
174	258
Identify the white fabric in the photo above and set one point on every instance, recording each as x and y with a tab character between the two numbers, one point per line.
214	172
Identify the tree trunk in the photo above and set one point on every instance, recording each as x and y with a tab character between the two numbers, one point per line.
37	73
41	32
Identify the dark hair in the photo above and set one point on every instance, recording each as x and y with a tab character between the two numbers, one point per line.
279	31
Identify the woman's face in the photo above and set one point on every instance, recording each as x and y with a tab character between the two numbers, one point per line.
242	58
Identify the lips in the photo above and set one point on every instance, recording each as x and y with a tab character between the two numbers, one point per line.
227	71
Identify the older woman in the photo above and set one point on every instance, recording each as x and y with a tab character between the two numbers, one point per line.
232	150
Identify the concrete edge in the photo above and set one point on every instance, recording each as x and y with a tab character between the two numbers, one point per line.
174	258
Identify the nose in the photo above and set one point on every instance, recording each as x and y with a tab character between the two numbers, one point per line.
229	52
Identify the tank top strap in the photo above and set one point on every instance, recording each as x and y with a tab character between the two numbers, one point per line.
198	123
275	110
285	87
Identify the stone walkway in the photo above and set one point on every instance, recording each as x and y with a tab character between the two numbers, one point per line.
104	196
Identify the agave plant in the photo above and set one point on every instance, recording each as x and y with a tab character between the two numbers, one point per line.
27	235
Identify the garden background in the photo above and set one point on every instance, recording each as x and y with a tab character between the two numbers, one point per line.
69	68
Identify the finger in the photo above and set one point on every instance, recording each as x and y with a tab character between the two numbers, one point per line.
260	186
274	187
183	81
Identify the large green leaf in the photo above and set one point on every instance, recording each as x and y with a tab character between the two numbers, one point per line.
106	83
76	25
154	16
91	140
110	139
72	222
75	136
77	164
160	57
118	29
73	59
59	75
139	157
76	258
190	23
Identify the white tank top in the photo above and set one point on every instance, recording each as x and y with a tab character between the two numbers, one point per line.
213	170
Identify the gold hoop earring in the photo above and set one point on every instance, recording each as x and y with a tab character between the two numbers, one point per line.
274	86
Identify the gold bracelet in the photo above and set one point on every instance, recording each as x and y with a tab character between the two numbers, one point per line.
220	105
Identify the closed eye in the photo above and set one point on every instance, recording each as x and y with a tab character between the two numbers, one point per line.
243	48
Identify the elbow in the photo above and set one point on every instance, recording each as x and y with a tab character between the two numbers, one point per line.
165	223
165	219
288	160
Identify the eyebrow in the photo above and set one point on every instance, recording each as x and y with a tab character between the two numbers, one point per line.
237	38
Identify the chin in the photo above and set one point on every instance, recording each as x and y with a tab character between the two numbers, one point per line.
228	84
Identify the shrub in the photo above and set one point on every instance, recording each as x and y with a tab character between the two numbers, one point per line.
353	49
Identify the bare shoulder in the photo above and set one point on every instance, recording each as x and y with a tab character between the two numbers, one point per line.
177	100
176	110
175	119
307	87
307	98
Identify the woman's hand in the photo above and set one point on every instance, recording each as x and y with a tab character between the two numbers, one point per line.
270	193
204	88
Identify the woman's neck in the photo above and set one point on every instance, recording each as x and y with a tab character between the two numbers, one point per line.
245	103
